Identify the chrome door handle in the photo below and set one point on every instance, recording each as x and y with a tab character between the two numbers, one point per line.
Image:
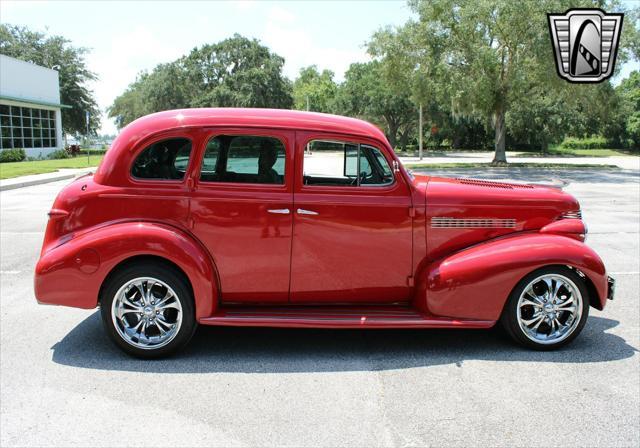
302	211
279	211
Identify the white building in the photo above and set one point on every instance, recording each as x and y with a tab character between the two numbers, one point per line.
29	107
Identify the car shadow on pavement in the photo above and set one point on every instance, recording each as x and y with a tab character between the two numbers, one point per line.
273	350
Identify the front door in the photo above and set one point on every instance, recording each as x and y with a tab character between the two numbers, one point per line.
352	239
241	210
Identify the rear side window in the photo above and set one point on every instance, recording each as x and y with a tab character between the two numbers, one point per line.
243	159
165	160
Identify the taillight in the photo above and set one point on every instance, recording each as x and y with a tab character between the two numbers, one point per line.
56	213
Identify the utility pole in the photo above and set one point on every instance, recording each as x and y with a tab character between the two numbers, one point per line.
420	133
307	103
86	116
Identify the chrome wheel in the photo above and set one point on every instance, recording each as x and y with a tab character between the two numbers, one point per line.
146	313
549	309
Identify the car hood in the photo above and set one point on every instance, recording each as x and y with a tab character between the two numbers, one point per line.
462	212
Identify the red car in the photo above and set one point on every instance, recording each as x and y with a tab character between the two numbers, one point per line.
256	217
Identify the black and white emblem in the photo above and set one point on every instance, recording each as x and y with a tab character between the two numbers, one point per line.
585	42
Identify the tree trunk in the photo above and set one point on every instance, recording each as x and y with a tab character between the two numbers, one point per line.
404	139
500	136
393	134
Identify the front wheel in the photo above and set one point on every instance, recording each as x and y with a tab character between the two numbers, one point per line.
147	310
547	309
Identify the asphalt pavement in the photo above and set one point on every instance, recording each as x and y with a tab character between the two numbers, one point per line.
62	383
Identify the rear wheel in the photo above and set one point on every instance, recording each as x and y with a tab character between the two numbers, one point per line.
547	309
147	310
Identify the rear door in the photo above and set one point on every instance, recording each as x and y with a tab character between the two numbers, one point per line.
352	240
241	210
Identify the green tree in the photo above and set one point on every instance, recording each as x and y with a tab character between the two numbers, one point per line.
58	53
315	91
365	94
236	72
498	57
629	93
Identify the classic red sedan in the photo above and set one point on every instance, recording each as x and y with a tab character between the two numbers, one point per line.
256	217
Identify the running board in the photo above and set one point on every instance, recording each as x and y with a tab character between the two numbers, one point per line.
336	317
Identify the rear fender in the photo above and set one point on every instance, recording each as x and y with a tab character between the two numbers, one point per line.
72	273
476	282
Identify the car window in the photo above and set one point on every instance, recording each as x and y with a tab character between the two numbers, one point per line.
165	160
344	164
243	159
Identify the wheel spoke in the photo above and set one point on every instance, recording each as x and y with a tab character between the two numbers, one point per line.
164	300
128	302
537	318
559	285
172	305
148	296
160	324
532	295
571	309
140	289
569	300
529	302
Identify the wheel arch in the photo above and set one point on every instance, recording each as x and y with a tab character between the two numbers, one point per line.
144	259
476	282
83	263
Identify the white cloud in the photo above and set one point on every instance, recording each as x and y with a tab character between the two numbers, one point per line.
287	37
118	65
244	5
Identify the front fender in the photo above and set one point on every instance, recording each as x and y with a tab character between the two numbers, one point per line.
476	282
72	273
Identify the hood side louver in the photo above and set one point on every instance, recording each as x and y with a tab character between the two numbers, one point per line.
492	184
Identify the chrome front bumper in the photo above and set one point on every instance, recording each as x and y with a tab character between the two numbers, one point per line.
611	287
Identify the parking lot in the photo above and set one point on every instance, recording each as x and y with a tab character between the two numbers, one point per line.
64	384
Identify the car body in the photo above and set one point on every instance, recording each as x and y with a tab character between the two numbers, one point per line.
295	219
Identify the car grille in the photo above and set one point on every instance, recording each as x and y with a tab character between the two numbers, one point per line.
576	214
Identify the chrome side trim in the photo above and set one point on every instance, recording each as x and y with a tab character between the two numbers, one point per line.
441	222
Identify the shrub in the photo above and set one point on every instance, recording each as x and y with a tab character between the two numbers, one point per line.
59	154
12	155
72	150
585	143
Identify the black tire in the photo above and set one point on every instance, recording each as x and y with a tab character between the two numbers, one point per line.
509	318
165	273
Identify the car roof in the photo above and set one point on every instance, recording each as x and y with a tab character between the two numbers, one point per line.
152	124
254	117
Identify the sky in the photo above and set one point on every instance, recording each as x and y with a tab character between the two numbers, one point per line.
125	38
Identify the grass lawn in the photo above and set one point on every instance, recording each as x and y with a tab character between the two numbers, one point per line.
565	152
15	169
510	165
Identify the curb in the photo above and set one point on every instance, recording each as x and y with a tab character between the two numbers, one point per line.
46	180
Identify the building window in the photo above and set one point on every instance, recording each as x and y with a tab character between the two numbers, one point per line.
27	127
